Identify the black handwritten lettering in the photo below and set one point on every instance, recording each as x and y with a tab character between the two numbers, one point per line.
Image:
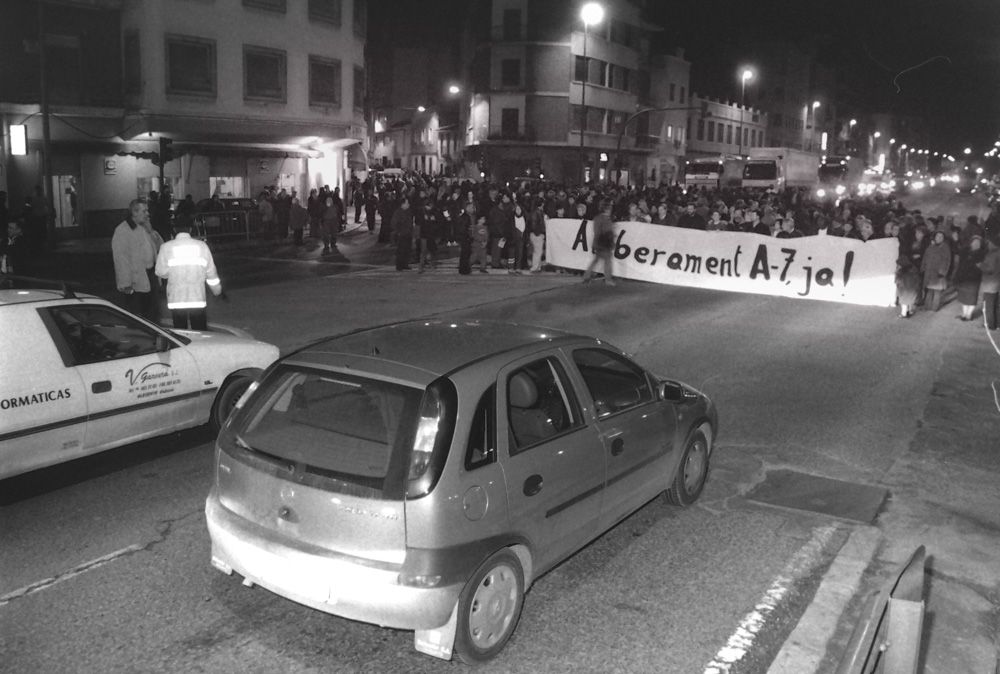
759	266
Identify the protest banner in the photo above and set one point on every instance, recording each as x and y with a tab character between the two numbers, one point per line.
827	268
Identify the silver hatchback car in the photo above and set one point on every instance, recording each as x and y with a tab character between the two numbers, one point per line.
421	476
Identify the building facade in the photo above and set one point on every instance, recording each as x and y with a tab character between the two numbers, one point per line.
716	127
249	94
550	97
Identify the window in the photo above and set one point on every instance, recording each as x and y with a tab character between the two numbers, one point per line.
619	78
132	62
95	333
269	5
359	87
670	132
539	404
745	132
482	449
580	69
711	131
598	72
509	120
361	18
510	72
777	119
682	96
729	134
614	382
348	434
673	91
701	129
263	74
512	24
190	66
325	11
324	81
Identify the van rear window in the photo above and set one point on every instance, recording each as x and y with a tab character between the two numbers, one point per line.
352	428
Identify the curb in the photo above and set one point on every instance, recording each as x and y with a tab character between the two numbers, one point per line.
805	648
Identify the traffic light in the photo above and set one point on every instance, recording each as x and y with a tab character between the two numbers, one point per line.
165	154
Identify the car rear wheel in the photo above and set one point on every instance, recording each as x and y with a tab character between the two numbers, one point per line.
226	400
489	608
691	472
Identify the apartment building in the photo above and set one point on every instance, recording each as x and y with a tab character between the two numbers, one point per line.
551	97
249	93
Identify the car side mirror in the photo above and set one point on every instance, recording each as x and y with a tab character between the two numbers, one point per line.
162	344
673	392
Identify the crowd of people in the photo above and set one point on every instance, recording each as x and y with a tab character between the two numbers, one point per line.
503	226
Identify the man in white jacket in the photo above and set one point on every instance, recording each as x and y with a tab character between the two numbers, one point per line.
188	267
133	248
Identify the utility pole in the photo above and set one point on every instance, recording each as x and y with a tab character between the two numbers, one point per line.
50	223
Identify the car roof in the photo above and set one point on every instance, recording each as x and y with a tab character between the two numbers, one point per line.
421	351
28	295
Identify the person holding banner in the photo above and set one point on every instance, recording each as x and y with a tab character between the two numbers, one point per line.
604	244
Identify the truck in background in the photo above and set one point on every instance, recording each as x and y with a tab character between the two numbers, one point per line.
776	168
713	172
840	176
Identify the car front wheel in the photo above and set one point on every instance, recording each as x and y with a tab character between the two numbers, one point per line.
226	400
691	472
489	608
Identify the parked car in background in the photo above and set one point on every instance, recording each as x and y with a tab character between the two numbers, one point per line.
422	476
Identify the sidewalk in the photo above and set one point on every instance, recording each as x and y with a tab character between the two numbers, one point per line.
945	495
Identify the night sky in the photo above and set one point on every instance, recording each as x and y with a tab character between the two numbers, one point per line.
951	48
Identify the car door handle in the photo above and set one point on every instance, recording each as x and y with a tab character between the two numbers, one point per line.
532	485
101	386
617	446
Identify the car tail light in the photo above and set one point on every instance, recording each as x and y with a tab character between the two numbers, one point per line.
432	437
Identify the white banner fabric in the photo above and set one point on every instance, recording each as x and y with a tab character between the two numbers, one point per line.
827	268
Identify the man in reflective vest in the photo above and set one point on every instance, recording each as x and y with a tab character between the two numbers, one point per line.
187	265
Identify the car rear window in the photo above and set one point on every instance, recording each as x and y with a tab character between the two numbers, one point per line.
354	429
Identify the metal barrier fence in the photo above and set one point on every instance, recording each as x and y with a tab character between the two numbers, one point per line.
887	641
217	225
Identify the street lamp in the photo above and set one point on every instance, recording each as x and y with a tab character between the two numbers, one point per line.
453	89
853	122
967	150
746	75
590	13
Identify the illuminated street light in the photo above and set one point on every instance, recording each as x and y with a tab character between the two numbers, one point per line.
967	150
853	122
877	134
453	89
421	108
592	13
892	141
903	146
815	104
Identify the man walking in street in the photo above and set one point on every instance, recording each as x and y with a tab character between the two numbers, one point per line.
604	243
188	267
133	249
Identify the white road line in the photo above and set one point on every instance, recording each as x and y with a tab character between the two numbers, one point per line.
66	575
742	639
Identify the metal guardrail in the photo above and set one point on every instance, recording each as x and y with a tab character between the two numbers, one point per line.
226	224
887	641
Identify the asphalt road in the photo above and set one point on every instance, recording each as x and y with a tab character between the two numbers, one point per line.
109	557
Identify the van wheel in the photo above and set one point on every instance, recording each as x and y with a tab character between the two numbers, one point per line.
489	608
226	400
691	472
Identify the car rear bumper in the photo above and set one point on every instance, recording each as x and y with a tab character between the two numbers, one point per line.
323	580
